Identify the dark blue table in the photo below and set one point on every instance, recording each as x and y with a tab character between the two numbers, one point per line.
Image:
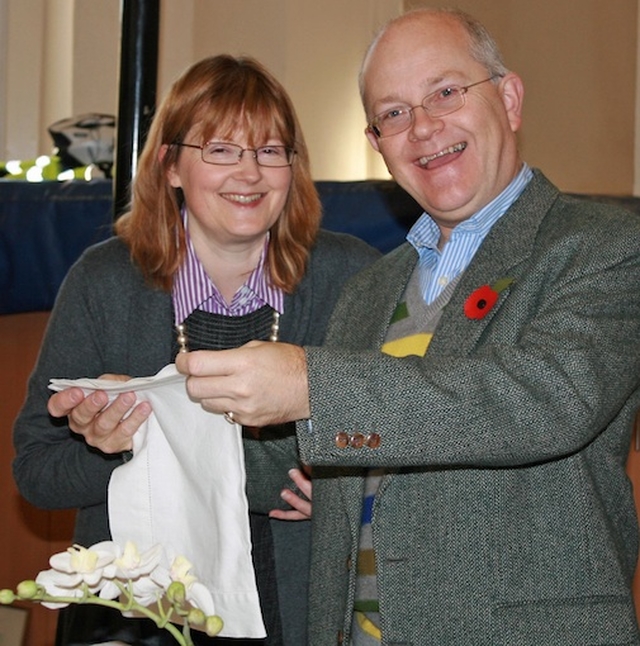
44	227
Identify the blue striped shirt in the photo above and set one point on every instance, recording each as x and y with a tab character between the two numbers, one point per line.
439	267
193	289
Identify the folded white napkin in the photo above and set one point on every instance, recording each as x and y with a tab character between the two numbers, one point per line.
184	488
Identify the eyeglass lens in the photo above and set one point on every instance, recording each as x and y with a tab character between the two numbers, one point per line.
437	104
226	154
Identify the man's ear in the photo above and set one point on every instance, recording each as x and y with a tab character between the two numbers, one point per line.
373	139
511	91
172	176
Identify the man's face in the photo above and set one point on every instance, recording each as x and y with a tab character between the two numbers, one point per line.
455	164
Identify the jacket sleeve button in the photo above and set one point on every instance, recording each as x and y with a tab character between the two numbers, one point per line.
342	440
373	440
357	440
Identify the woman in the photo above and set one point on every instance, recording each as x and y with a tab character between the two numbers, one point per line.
222	243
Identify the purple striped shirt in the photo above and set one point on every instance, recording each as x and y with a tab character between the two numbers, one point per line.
193	289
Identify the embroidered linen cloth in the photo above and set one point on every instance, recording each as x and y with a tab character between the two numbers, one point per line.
185	489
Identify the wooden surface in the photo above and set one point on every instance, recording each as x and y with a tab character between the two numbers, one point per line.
633	470
28	536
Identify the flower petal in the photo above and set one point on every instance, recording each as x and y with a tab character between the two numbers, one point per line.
199	596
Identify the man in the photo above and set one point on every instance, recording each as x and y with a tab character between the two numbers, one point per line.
476	463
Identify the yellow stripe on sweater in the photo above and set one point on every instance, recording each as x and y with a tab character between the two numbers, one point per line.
368	627
416	344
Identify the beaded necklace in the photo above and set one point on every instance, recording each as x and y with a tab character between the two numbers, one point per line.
183	343
183	339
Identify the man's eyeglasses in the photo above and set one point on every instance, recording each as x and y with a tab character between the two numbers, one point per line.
437	104
223	154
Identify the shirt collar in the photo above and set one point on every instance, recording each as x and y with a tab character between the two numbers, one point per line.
425	232
193	289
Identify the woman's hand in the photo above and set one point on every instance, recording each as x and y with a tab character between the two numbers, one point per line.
105	426
301	506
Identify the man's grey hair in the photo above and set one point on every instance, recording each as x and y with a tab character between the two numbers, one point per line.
482	46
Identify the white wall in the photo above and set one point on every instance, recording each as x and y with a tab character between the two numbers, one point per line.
59	58
23	77
314	48
62	61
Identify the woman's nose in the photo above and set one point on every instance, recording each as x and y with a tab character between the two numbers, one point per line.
248	164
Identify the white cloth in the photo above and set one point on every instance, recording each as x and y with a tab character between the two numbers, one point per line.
184	488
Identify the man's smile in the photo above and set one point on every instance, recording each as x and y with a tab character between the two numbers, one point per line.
456	148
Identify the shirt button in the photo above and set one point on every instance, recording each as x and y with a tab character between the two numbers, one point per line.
443	280
342	440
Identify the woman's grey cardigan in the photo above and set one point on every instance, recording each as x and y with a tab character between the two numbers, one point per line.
107	320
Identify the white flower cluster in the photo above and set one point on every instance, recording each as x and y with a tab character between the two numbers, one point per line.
133	582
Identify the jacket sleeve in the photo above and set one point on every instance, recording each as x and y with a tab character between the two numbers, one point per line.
555	363
105	320
53	468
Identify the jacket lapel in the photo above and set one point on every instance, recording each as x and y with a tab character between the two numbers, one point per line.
501	256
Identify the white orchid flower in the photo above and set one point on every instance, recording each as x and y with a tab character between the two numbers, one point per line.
49	579
198	595
134	568
91	564
105	574
132	564
146	591
181	571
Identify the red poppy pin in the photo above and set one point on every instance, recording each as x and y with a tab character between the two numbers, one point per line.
481	300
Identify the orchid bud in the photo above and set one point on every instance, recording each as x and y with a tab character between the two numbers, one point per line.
28	589
196	617
7	597
177	593
213	625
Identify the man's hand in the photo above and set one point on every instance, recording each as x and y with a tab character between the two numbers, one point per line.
301	506
103	425
261	383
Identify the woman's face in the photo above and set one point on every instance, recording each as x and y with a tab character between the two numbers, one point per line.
230	206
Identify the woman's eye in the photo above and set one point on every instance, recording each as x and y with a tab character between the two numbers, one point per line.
218	150
272	151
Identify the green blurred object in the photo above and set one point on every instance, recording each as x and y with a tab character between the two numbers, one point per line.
46	168
83	149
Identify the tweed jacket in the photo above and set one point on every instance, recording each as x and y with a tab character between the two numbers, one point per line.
507	517
107	320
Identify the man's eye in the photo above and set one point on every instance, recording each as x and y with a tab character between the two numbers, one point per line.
446	93
390	115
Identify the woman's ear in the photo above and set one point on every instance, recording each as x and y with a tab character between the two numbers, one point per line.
172	175
511	91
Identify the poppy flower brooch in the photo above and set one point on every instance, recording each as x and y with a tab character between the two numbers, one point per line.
480	301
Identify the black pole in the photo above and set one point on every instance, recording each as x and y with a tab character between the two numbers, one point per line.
137	91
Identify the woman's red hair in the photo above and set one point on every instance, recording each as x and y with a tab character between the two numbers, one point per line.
219	95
